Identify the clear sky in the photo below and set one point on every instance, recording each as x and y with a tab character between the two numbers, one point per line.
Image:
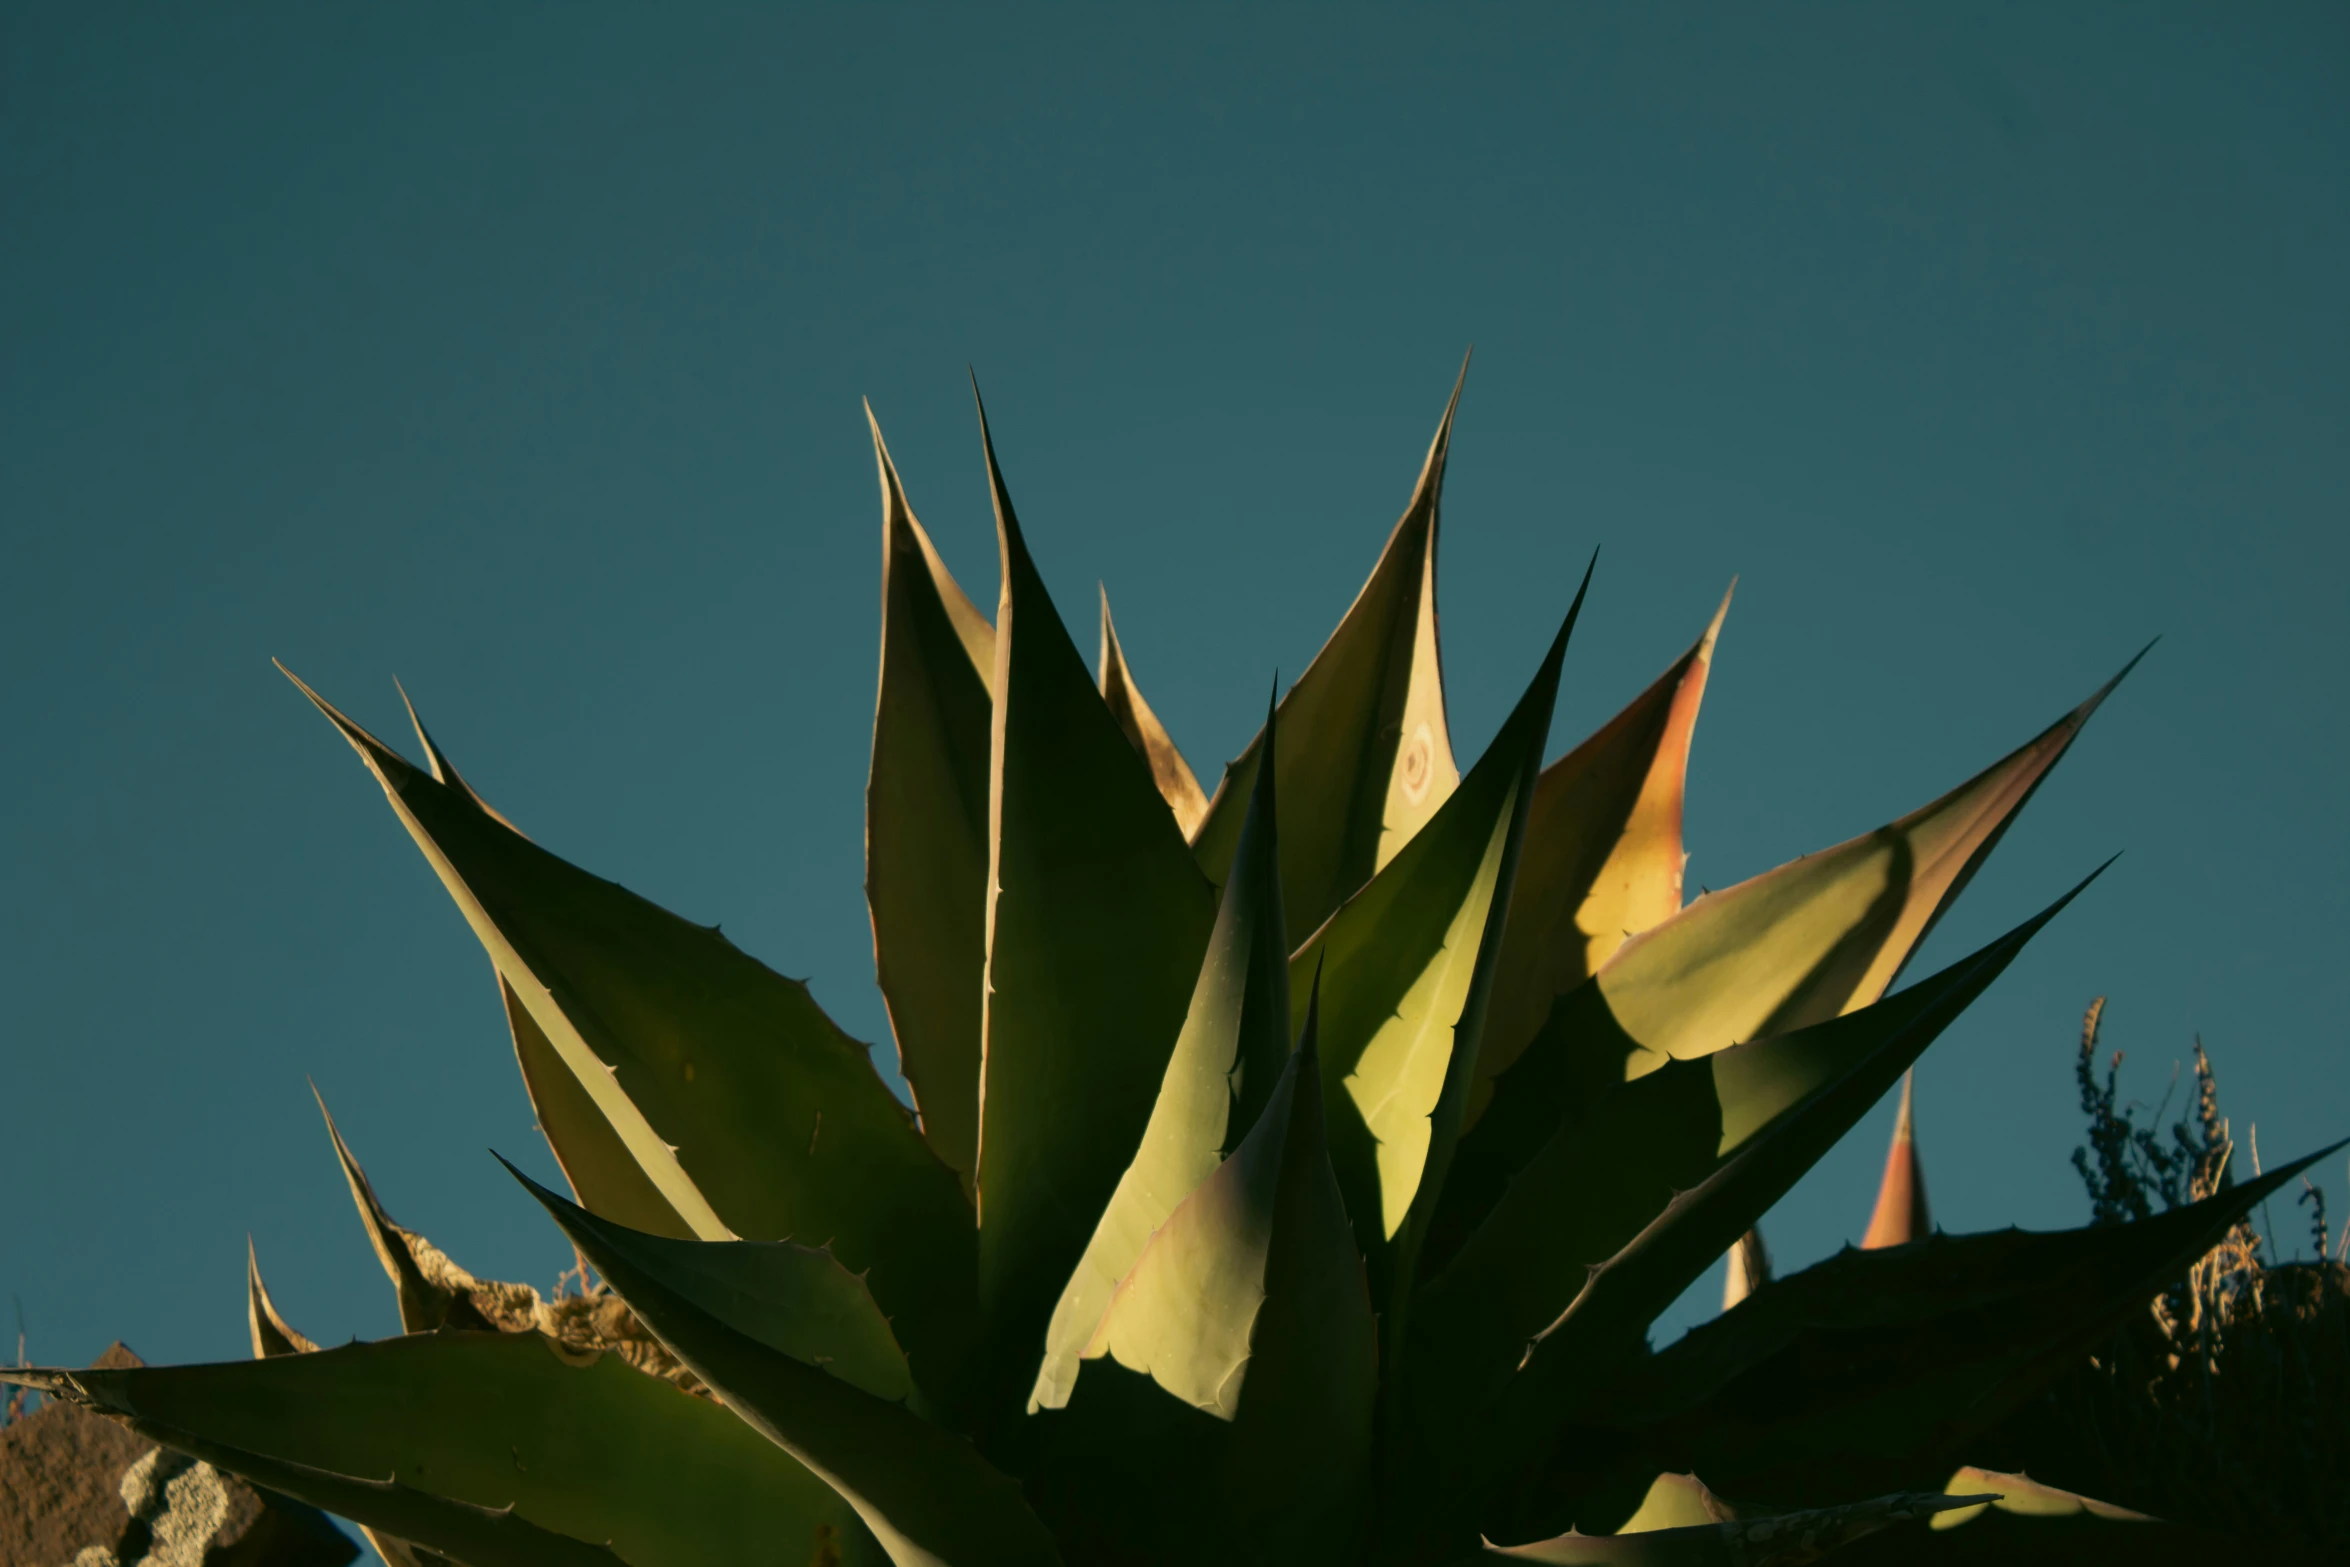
516	351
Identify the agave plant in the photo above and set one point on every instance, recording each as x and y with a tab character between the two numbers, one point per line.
1292	1174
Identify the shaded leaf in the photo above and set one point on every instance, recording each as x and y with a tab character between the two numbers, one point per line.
925	1494
1603	856
1233	1047
1365	754
1779	1539
748	1111
1873	1366
2035	1525
1636	1163
1146	734
1775	1137
1096	921
418	1436
926	823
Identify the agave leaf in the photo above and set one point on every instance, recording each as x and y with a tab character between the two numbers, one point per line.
602	1172
926	1494
1774	1130
1828	933
1146	734
1901	1215
796	1300
1096	920
1876	1365
926	823
708	1066
1603	856
1601	1179
1817	938
1779	1539
1365	754
1234	1044
426	1302
272	1334
594	1158
417	1436
1250	1303
1404	971
2018	1522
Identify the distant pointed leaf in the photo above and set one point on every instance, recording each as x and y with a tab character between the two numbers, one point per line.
1234	1044
1901	1215
1747	1268
272	1334
426	1302
1603	856
1145	733
747	1109
925	1494
1366	752
582	1448
926	822
1096	921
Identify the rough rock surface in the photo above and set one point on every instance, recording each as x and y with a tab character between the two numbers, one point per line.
78	1490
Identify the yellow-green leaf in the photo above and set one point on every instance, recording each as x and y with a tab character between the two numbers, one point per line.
926	822
583	1449
1365	754
1602	860
749	1112
1234	1044
1823	935
925	1493
1145	733
1404	970
1097	918
1250	1303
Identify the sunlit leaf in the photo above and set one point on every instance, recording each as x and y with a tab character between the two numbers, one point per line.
1148	736
1250	1303
1603	856
1365	753
1404	972
1823	935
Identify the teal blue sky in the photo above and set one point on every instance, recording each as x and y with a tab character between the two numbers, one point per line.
517	351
